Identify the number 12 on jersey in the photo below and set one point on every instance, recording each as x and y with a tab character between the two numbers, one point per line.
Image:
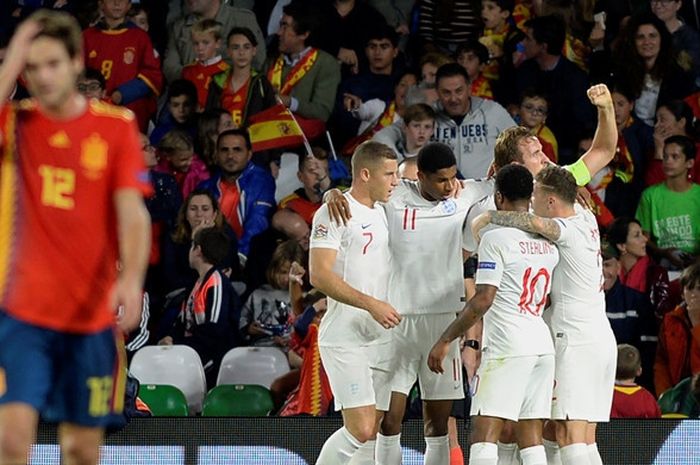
534	286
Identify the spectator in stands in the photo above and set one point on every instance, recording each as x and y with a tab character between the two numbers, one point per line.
265	316
206	43
678	355
180	114
629	399
686	40
429	63
533	111
473	57
557	77
673	118
207	319
313	174
468	125
305	78
408	136
669	212
241	90
92	84
179	160
210	124
139	16
180	50
245	192
125	56
646	61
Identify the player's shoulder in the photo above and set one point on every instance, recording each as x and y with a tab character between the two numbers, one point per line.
108	111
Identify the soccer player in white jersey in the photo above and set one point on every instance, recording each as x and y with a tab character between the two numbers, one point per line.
585	349
514	381
425	222
350	263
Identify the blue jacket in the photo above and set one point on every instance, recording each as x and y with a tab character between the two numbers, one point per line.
257	188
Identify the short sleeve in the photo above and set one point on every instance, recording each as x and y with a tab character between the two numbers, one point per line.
325	233
468	242
566	232
643	213
490	267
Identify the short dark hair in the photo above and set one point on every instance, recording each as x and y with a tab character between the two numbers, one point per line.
514	182
679	109
183	87
305	16
559	181
550	30
242	31
94	75
450	70
435	156
505	5
619	229
686	144
476	47
214	243
382	32
690	278
629	361
240	132
534	92
608	250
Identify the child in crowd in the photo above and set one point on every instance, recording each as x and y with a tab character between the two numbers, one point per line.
92	84
206	42
410	135
473	57
210	124
629	399
265	315
241	90
182	99
178	159
138	15
533	115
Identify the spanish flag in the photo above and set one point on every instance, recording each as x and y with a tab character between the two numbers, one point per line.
274	128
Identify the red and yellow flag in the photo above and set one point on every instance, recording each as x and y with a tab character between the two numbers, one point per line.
274	128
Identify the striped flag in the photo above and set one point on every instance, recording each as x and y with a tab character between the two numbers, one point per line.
274	128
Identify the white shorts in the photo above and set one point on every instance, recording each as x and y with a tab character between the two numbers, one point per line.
584	380
514	388
411	342
359	376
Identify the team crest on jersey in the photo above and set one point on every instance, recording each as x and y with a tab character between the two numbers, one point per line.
129	55
3	384
93	156
59	140
320	231
449	206
92	54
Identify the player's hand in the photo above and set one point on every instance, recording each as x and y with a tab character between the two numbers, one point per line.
599	95
479	223
338	206
584	198
437	355
296	273
457	188
18	48
129	298
385	314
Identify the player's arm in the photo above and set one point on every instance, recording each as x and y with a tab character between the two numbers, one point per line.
475	309
321	261
524	221
134	246
16	57
604	144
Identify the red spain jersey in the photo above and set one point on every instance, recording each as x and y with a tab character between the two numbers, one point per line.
58	225
200	75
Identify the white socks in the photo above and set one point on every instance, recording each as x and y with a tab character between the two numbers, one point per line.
437	450
575	454
594	455
508	453
534	455
483	453
338	448
364	455
551	449
388	449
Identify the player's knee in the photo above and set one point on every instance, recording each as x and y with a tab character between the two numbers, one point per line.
14	446
391	423
76	452
364	431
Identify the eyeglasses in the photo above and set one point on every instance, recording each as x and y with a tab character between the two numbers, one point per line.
663	2
89	87
535	110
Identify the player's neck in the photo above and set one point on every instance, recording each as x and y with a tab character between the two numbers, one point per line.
362	196
563	211
72	107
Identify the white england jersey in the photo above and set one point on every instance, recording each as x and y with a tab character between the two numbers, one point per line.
578	300
426	248
520	265
364	262
486	203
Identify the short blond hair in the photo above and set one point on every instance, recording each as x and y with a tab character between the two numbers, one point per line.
208	26
369	154
506	150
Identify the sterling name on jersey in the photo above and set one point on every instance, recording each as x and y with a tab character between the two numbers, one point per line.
521	266
578	301
364	262
426	246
